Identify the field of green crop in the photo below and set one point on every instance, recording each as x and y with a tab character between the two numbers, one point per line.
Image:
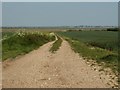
23	42
103	39
101	46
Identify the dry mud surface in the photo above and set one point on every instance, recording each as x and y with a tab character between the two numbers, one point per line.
42	69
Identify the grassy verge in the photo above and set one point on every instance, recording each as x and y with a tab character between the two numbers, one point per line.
101	46
56	45
109	58
23	42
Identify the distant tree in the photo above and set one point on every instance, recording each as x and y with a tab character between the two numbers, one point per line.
113	29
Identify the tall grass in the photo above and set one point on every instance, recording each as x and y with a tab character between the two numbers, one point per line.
23	42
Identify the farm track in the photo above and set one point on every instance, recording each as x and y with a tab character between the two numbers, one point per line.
42	69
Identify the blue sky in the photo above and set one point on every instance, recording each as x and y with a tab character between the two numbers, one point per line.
59	13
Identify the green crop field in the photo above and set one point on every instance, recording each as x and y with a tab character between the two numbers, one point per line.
103	39
101	46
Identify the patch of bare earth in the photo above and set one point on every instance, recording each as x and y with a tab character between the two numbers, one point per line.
42	69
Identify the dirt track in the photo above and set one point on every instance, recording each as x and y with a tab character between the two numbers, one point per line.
42	69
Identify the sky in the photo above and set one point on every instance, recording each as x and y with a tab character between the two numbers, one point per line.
60	0
59	13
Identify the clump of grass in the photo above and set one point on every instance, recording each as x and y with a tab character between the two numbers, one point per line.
23	42
56	45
